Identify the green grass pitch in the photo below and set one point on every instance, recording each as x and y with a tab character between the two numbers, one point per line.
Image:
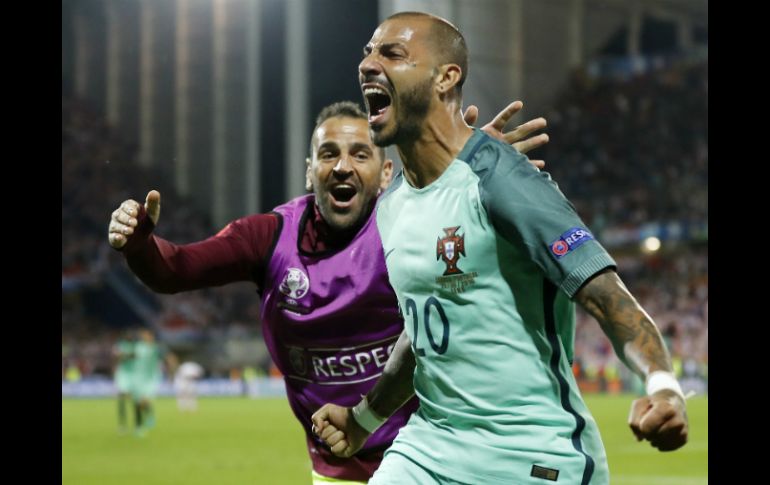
245	441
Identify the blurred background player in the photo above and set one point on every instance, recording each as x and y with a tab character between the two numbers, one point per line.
185	385
147	376
123	354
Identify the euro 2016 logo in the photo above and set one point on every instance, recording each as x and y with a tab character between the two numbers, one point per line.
295	284
449	248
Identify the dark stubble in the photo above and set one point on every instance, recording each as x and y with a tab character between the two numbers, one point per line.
412	109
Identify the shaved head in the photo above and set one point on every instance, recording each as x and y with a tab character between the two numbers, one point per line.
446	42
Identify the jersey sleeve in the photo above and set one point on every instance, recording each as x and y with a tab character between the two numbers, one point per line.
527	208
239	252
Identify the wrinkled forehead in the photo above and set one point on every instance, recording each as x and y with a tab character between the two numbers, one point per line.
410	31
343	131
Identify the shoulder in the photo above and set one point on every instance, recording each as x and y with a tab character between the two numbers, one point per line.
398	180
297	204
505	174
390	196
485	153
260	225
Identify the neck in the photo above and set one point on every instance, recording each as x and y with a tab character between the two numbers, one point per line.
443	135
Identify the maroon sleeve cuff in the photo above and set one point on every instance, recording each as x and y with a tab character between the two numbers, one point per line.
142	232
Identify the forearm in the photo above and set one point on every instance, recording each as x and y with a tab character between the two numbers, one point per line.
395	387
169	268
155	271
237	253
632	332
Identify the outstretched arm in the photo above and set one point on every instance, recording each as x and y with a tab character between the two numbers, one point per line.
236	253
661	416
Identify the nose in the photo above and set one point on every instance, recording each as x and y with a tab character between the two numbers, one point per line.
369	67
343	167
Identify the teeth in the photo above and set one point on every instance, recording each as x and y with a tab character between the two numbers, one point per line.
374	91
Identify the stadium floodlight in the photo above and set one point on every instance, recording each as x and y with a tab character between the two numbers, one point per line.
651	244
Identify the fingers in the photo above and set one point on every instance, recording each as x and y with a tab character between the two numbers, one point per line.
328	431
525	129
638	408
471	114
530	143
117	241
671	435
320	419
502	117
130	207
122	223
660	421
118	228
538	163
341	449
654	418
124	218
316	430
333	437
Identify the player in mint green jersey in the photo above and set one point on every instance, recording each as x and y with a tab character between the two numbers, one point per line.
147	376
123	354
486	257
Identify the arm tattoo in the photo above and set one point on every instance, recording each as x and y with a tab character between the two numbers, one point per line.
632	332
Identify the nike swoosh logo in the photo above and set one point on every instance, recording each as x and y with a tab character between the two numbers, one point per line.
388	253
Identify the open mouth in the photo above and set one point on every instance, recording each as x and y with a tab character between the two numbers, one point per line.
343	194
378	101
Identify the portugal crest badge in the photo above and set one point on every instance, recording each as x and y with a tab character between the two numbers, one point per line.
449	248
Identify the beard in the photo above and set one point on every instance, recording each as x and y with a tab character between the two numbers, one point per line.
349	220
413	108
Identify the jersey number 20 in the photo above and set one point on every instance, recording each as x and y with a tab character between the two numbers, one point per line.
411	309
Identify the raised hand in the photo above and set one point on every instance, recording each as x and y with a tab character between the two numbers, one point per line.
124	219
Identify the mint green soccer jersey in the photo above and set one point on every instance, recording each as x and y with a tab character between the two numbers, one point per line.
147	373
484	261
125	366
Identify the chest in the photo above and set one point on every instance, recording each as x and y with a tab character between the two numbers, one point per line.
438	241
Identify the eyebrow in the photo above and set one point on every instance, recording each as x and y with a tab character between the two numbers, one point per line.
355	147
361	146
386	46
328	145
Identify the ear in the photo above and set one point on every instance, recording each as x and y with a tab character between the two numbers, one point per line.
308	180
386	176
448	77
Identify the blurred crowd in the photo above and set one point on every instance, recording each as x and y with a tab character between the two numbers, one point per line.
99	171
673	288
625	152
628	152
